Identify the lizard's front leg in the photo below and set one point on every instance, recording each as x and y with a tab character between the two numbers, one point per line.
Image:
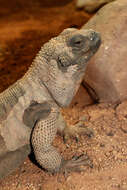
46	155
43	134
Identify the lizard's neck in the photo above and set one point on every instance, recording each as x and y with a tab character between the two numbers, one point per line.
37	72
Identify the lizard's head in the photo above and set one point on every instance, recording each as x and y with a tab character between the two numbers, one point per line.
66	59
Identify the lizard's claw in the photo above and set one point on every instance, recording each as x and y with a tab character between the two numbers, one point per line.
75	164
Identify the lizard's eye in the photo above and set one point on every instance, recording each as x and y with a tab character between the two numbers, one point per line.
77	41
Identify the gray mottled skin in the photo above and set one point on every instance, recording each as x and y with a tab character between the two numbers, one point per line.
29	109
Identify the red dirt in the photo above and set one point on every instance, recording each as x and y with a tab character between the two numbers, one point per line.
25	26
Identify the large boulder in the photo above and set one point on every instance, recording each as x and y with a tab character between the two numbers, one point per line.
106	74
91	5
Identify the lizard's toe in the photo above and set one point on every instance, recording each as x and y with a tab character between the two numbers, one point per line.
76	164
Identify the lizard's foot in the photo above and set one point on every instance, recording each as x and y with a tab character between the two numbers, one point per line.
76	131
75	164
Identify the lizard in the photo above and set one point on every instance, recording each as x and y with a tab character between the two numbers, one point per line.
30	108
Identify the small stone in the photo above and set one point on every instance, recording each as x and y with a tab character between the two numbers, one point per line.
102	145
83	118
110	133
114	152
107	154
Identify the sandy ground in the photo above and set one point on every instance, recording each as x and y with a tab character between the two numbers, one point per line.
24	27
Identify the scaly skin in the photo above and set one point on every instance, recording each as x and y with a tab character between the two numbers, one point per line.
29	110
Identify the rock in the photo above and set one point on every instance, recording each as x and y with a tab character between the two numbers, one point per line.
82	98
106	74
91	5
